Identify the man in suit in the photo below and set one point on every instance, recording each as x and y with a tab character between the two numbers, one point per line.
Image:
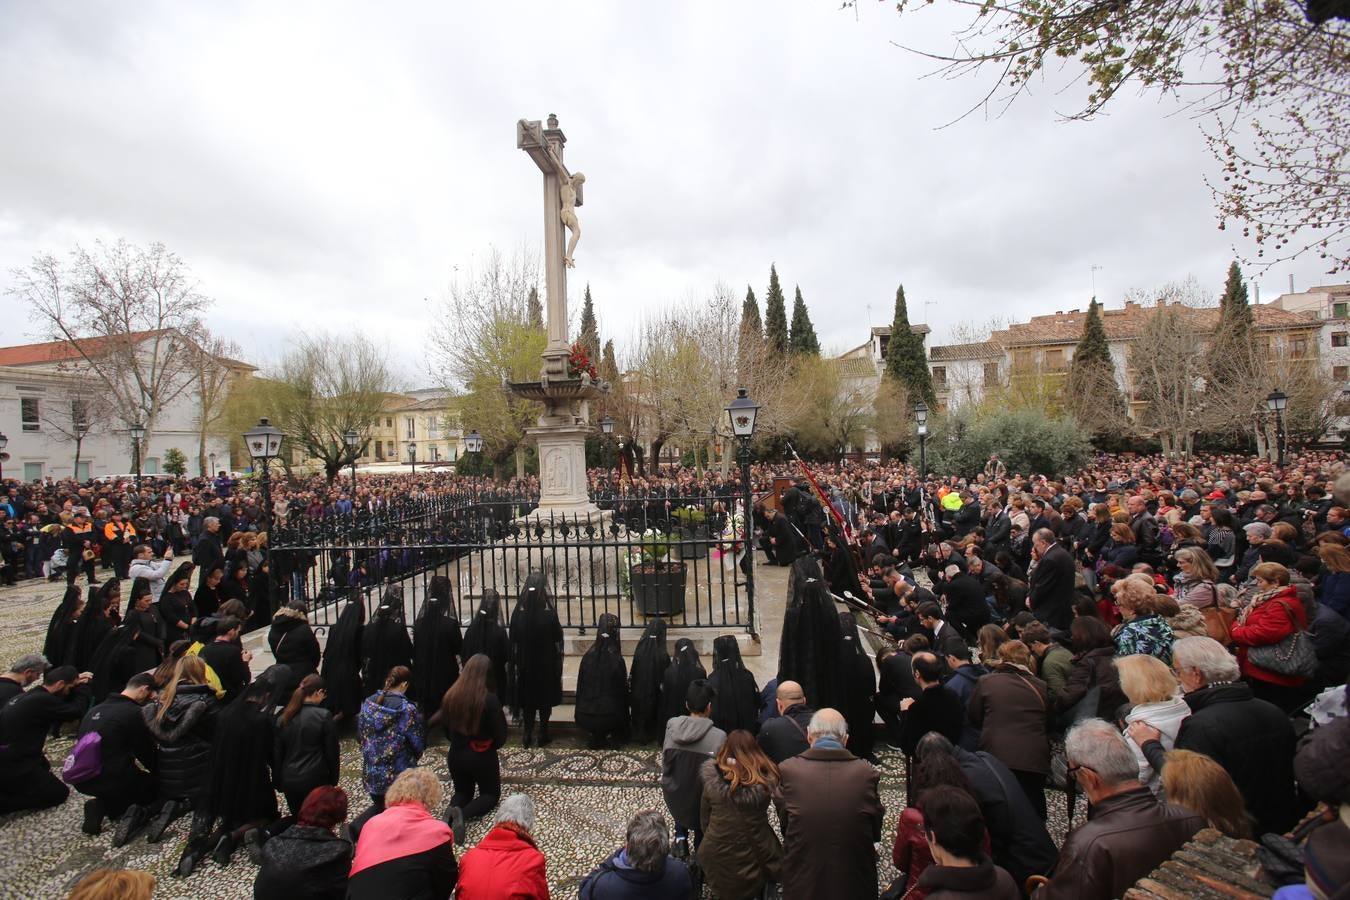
834	815
937	708
1050	593
945	637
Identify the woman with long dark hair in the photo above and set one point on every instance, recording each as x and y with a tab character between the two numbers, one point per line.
737	702
536	647
602	687
487	635
436	643
61	629
650	661
342	660
235	585
385	643
740	851
474	722
685	668
307	744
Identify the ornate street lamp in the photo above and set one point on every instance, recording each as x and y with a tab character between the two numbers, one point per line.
607	424
137	435
921	417
743	412
1276	401
263	442
212	458
473	442
412	456
350	438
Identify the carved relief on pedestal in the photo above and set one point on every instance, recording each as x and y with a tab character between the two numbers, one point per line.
557	471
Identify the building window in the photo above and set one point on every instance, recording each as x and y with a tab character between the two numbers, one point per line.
388	421
1298	347
990	374
410	424
29	411
433	427
1023	361
939	376
32	471
435	452
379	449
1340	373
1054	360
1338	339
79	416
1340	310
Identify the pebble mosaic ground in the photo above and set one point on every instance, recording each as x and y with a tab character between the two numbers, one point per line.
584	799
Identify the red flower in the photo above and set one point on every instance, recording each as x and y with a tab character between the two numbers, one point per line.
578	362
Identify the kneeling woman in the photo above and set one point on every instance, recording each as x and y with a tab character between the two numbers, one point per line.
740	852
474	721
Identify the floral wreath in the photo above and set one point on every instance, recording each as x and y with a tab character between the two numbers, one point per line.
578	362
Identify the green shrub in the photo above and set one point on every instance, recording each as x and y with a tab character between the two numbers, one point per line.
1026	440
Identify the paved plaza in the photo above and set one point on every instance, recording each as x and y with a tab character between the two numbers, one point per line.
584	800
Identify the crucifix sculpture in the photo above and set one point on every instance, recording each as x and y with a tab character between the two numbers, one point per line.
562	195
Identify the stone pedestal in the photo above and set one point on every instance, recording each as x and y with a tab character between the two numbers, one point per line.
562	471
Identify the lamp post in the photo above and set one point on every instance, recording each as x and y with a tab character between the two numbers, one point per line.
350	438
211	457
4	442
412	456
137	434
921	417
742	412
1276	401
607	427
264	445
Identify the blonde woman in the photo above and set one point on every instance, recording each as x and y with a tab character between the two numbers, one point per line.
1155	699
1144	629
1197	782
182	723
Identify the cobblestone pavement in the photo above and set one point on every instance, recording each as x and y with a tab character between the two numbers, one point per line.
584	799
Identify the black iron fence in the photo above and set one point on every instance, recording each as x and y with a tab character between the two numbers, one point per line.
667	555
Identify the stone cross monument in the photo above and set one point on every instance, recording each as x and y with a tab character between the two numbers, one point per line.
562	429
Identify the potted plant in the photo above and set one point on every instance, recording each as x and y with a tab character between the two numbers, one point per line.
693	527
655	581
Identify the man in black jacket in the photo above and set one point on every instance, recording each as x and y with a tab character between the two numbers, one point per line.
227	658
936	709
967	610
207	553
26	779
26	670
121	789
784	736
1051	591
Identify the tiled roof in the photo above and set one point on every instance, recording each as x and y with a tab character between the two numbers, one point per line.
1128	323
855	366
885	330
65	351
431	404
951	352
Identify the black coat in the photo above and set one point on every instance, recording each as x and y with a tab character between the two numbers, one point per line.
184	736
306	752
1017	835
896	681
966	606
1051	591
207	554
784	736
602	690
436	641
304	863
937	709
809	647
536	647
124	741
241	765
176	607
675	684
294	646
226	658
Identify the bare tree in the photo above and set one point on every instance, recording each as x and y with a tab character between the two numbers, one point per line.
124	310
326	386
214	372
81	412
838	412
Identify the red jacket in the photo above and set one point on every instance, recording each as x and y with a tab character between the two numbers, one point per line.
1270	623
505	865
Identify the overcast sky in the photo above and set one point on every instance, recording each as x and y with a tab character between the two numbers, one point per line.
330	165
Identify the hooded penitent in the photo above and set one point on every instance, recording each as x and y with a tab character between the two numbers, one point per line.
650	661
857	685
736	704
486	635
809	649
536	646
385	642
436	643
602	682
341	668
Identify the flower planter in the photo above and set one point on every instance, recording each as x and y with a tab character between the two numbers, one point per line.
658	588
698	534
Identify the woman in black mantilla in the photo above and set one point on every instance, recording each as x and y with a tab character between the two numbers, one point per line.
536	647
207	598
650	661
436	643
94	624
385	642
858	684
177	608
685	668
487	635
736	703
262	591
144	636
602	687
809	650
341	660
61	629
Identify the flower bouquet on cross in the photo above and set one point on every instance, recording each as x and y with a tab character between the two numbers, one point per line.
578	362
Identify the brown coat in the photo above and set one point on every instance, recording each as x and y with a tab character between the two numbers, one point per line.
1011	709
739	850
834	819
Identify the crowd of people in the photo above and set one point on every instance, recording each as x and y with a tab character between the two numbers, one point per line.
1167	639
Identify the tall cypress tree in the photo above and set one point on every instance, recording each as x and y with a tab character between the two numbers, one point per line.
775	316
803	337
1091	392
1092	346
609	364
750	321
534	310
905	360
590	331
1234	309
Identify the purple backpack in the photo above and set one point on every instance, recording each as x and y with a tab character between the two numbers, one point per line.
84	761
